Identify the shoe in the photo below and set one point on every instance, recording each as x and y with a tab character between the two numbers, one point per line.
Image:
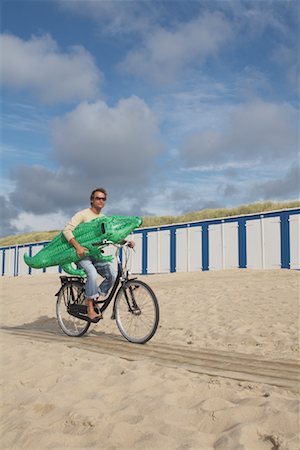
96	319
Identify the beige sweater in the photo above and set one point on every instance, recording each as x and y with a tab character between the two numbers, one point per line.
86	215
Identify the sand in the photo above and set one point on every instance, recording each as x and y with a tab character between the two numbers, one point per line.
221	372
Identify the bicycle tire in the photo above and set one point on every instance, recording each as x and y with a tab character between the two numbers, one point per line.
71	293
137	323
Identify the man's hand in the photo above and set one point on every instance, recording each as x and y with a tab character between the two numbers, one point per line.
131	244
80	250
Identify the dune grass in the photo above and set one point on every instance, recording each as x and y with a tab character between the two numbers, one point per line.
154	221
220	213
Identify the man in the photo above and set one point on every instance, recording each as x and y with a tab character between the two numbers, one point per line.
92	266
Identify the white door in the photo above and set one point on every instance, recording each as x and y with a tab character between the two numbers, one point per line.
294	241
195	249
254	244
158	251
271	243
215	247
182	251
164	251
230	246
23	269
136	255
9	262
152	252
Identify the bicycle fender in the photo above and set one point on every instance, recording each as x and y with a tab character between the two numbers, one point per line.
65	279
57	293
113	314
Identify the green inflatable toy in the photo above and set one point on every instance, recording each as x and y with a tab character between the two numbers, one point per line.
60	253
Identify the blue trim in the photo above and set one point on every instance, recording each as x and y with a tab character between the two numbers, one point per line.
242	242
121	255
218	221
27	266
285	240
3	262
145	253
30	255
173	250
205	247
17	261
292	212
44	268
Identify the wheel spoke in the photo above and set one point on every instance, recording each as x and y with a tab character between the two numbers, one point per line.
70	294
138	321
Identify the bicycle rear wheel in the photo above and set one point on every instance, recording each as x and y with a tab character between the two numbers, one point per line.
71	293
136	311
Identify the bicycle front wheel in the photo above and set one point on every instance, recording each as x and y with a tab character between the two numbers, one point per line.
136	311
71	293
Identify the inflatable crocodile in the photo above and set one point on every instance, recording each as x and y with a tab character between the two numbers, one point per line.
60	252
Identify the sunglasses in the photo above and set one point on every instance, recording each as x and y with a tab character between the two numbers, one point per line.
101	198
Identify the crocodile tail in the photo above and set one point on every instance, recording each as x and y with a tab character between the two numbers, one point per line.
32	262
68	268
27	259
38	261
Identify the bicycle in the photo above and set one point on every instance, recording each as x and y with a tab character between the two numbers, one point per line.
135	308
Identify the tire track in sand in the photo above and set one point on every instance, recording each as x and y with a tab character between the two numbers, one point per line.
237	366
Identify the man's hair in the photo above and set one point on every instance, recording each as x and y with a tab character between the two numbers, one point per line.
98	190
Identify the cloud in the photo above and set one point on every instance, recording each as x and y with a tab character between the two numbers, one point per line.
94	145
140	16
270	182
8	213
287	57
117	143
285	187
25	221
166	53
46	191
229	191
116	17
252	19
256	131
39	66
24	117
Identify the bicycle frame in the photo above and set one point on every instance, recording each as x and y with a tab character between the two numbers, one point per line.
122	277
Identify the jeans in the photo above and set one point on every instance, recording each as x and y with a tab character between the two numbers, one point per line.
92	268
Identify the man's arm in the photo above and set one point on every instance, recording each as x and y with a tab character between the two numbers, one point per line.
68	233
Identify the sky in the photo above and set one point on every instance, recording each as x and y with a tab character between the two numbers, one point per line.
172	106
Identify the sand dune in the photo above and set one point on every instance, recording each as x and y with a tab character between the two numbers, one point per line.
221	372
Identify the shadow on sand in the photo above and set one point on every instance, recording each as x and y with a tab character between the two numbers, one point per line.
47	329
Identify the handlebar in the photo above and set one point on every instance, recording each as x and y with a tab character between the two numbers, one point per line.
106	243
118	247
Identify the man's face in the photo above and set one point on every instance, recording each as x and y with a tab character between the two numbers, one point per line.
98	200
